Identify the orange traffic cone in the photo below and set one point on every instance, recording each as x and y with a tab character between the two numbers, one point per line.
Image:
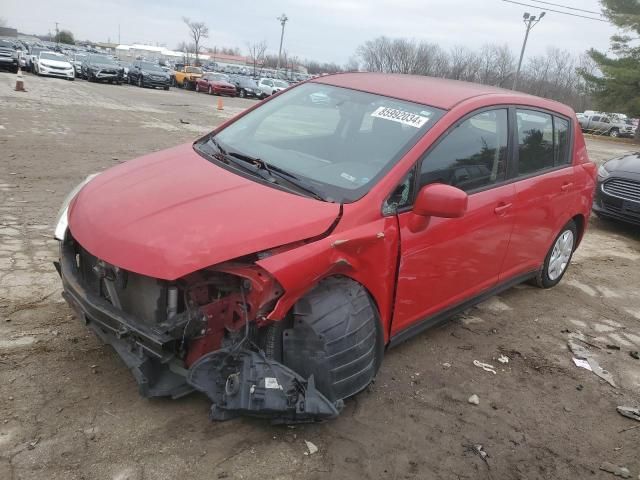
20	82
220	105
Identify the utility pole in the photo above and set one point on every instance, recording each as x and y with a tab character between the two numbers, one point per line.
57	33
530	21
282	19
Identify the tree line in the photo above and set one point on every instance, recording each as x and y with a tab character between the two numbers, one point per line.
555	74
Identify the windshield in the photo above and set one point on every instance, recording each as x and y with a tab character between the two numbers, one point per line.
102	59
6	44
339	140
153	67
52	56
193	70
280	83
219	77
245	82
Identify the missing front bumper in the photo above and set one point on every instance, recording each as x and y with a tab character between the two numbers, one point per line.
239	381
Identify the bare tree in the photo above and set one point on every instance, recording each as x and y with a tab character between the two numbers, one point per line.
257	51
553	75
353	65
198	31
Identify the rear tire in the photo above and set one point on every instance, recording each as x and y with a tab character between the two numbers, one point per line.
334	334
557	261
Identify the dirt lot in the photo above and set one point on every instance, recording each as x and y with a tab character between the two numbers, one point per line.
69	409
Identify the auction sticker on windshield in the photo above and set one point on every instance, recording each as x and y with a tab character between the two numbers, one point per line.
406	118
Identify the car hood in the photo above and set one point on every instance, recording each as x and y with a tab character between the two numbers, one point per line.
173	212
55	63
220	83
628	163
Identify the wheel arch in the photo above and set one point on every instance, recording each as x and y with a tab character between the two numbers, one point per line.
369	260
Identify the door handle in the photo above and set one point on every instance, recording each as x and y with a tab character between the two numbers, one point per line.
502	208
566	186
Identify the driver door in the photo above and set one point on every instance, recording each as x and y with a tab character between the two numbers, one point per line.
445	261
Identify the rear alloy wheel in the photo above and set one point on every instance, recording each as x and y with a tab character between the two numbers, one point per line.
333	334
558	258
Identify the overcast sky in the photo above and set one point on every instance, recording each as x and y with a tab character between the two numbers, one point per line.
325	30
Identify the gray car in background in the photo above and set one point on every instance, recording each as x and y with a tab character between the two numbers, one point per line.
602	124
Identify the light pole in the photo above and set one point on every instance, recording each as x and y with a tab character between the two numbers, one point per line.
530	21
283	19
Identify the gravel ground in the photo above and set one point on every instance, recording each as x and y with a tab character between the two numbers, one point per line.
69	409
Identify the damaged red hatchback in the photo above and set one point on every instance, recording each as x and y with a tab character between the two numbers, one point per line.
270	263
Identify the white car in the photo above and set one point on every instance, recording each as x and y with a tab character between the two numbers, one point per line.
269	86
55	65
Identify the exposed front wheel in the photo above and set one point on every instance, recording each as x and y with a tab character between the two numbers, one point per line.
334	334
558	258
614	132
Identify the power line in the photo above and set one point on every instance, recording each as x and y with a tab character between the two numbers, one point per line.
568	8
557	11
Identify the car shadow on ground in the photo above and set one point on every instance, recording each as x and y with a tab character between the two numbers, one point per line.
613	226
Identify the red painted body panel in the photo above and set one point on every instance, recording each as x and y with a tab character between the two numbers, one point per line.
173	212
445	260
542	206
363	247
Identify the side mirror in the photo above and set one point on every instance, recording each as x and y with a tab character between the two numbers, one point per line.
440	200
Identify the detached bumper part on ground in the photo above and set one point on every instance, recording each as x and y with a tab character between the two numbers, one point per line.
238	378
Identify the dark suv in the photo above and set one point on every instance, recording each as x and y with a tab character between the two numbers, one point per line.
98	68
8	56
148	74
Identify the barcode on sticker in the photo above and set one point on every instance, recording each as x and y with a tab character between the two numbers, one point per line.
271	382
406	118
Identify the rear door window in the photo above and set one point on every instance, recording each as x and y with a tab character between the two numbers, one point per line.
535	141
472	156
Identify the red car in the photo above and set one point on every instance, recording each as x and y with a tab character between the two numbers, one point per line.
271	263
215	84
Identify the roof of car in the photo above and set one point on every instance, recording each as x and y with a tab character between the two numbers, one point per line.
436	92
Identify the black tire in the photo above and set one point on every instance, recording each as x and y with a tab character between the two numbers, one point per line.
542	279
209	91
140	82
71	79
197	87
614	132
166	87
242	93
334	334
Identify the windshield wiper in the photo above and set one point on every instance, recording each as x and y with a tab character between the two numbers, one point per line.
273	171
264	170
